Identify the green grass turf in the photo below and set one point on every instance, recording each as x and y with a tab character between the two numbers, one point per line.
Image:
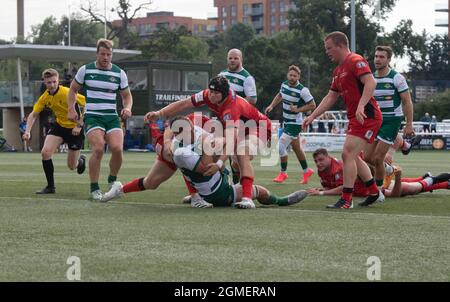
151	236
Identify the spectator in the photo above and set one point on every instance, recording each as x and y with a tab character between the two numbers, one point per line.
22	129
426	120
321	124
331	118
433	123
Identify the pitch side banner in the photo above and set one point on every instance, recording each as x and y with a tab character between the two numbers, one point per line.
312	142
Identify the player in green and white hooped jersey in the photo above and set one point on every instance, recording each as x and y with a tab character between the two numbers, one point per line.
296	99
393	97
193	155
102	81
243	83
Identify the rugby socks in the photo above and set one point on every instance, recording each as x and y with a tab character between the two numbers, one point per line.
408	179
281	201
441	185
372	187
379	182
135	185
94	186
247	186
111	179
347	194
304	165
48	170
283	166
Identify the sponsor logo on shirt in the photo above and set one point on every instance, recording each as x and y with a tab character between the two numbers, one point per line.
368	134
227	117
361	64
199	97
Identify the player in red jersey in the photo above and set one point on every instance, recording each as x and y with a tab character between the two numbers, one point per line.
354	82
330	171
232	110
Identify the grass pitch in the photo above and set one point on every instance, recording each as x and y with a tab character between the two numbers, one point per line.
151	236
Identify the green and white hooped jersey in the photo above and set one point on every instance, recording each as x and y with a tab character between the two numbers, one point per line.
299	96
241	82
101	88
387	93
187	158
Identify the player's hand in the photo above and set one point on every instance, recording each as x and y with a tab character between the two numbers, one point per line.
268	109
306	122
360	115
72	115
388	159
313	191
151	116
125	113
212	169
76	130
26	136
408	130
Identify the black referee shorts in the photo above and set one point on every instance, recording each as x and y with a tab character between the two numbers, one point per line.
73	142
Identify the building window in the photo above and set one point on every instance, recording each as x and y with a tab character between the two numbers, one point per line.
169	80
273	6
246	9
233	11
273	20
224	25
137	79
195	80
282	7
233	21
282	20
224	11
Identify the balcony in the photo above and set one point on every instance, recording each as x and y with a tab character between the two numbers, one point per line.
9	93
257	11
441	7
441	22
258	24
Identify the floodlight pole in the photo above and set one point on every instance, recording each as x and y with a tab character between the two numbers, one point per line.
104	6
19	82
353	27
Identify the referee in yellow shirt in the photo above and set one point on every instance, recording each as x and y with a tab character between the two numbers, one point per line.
62	131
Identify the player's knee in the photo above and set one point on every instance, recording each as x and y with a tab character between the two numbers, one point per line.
116	149
282	148
46	154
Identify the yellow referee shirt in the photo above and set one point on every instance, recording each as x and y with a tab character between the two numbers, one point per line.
58	104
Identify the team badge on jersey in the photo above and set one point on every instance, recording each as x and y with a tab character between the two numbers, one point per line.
227	117
198	97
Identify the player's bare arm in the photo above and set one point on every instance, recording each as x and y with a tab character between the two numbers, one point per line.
127	102
276	100
327	102
407	107
370	84
30	122
169	110
72	114
305	108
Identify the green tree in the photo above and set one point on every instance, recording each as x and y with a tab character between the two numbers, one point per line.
177	44
238	35
438	105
